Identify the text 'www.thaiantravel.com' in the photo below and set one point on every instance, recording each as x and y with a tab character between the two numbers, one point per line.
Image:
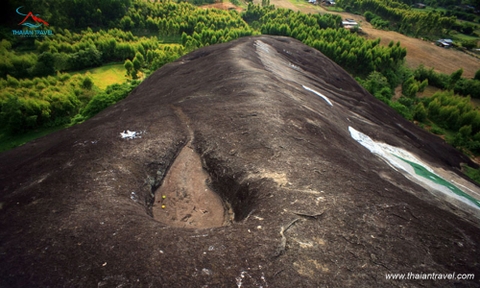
430	276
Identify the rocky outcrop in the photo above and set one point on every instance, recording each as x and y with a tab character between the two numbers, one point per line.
318	184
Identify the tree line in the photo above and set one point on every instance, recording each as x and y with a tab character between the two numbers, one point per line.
356	54
401	17
448	112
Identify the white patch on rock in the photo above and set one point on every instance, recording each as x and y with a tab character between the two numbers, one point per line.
319	94
392	155
277	63
127	134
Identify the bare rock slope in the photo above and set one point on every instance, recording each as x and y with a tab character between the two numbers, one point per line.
255	163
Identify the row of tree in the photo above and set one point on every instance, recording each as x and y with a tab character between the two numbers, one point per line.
455	82
323	32
400	16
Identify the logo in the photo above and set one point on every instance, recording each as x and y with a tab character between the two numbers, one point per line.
32	22
39	21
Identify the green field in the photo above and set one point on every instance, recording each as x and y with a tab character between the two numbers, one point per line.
106	75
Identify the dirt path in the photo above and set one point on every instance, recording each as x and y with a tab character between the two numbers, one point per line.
418	51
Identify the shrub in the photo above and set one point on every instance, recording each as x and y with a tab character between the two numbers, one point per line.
112	95
402	110
420	112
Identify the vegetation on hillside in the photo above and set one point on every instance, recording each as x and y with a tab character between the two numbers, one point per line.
401	16
449	112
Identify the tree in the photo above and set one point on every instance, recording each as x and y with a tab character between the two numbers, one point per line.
466	130
12	116
420	113
477	75
139	59
128	66
87	83
454	77
45	65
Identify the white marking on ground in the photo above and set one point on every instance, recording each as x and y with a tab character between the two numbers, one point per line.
127	134
276	62
319	94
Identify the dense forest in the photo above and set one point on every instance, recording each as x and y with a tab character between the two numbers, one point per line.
40	87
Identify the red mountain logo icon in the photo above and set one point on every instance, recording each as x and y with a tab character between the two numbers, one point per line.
34	18
39	21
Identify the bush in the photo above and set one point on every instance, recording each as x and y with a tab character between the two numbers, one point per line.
112	95
420	112
468	87
473	173
477	75
469	44
87	83
369	16
437	130
402	110
379	23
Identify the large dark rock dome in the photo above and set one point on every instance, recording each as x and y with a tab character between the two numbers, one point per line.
254	163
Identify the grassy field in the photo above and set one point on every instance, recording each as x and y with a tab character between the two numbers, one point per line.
106	75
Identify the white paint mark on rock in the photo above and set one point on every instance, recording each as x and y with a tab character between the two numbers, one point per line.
134	196
319	94
127	134
207	271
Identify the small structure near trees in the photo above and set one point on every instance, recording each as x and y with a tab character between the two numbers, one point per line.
350	24
445	43
328	3
419	6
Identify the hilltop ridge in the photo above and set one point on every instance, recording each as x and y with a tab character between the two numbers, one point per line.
314	175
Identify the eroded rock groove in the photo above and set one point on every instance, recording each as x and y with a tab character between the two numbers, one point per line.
184	198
